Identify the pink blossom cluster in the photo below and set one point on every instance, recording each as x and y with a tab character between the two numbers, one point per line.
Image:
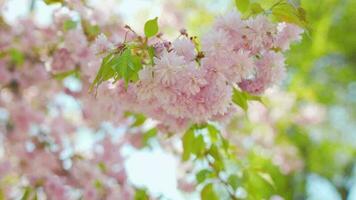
36	133
188	85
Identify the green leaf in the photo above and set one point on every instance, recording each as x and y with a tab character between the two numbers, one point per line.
267	177
69	24
2	195
105	72
17	57
208	193
192	144
233	181
26	194
151	27
48	2
139	120
240	98
286	12
256	8
242	5
93	31
151	53
98	184
102	167
124	65
63	75
198	146
213	133
188	142
90	30
204	174
127	66
148	135
141	194
218	164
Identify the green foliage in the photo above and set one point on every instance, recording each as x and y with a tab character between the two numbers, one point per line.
17	57
63	75
256	8
203	175
90	30
139	119
127	66
151	27
102	166
69	24
193	144
151	53
208	193
148	135
234	181
141	194
123	65
241	98
242	5
52	1
26	193
286	12
105	72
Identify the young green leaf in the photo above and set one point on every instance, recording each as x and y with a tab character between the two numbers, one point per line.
242	5
69	24
148	135
127	66
204	174
233	181
188	142
256	8
208	193
17	57
105	72
241	98
48	2
151	27
63	75
286	12
198	146
151	53
267	177
141	194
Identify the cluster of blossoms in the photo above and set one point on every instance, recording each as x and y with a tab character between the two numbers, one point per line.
38	142
187	84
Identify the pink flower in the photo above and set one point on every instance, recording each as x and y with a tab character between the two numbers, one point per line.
5	75
62	61
75	41
167	68
242	66
102	44
191	80
232	24
270	69
216	41
185	47
259	33
287	33
55	189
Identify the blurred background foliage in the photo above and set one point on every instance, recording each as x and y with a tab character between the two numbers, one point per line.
322	70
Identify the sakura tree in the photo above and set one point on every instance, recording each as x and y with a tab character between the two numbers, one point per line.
190	94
